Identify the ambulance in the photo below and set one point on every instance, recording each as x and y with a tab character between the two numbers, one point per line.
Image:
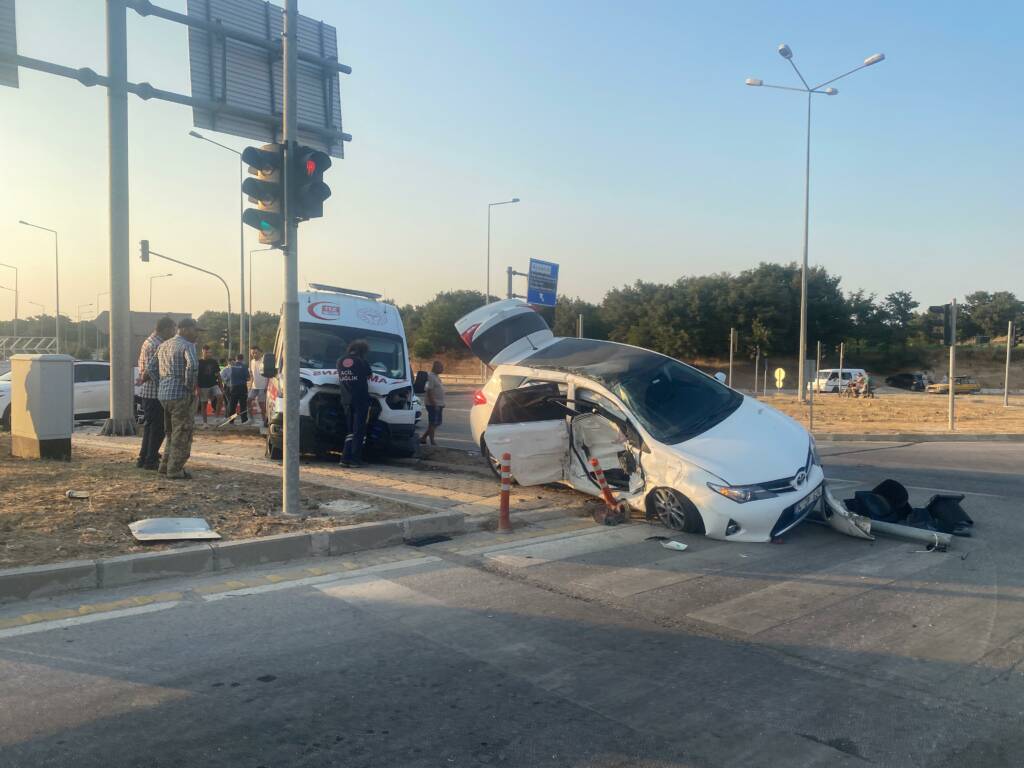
329	319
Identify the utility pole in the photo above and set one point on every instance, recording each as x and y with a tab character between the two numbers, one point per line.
842	354
817	366
757	364
1006	376
122	416
952	367
290	468
579	326
508	272
732	347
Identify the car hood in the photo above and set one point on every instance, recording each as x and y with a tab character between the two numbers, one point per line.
755	444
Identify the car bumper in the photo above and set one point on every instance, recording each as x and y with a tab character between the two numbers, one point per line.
762	520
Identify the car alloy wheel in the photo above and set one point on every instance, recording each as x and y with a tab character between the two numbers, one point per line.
675	511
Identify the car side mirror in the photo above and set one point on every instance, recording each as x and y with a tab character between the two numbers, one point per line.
269	365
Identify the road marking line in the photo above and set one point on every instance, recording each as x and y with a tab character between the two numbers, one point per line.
47	626
280	583
88	609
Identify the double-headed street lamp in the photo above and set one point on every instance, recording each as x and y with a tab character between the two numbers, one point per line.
242	330
487	295
825	89
151	279
56	276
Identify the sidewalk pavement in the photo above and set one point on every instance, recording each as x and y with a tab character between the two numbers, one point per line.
407	482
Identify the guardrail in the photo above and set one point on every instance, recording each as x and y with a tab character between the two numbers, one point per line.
26	345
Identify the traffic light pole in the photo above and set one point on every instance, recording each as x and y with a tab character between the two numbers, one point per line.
290	464
122	416
1006	375
952	367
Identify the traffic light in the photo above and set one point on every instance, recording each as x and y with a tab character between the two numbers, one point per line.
947	322
144	250
306	183
267	191
1018	333
224	338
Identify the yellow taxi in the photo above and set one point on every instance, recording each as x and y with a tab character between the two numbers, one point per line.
962	385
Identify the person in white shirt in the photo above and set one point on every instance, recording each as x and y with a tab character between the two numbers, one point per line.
435	402
258	383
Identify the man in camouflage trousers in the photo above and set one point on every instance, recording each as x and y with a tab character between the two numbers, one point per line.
174	367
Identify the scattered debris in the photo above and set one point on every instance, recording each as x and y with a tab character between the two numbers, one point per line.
172	529
77	494
678	546
656	538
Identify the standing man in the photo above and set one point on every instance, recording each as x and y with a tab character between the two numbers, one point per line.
435	402
239	376
258	390
207	378
175	367
152	412
354	377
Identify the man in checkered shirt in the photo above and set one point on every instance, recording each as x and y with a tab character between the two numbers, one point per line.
174	367
152	411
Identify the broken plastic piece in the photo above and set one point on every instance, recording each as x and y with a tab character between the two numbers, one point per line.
77	494
172	529
678	546
843	520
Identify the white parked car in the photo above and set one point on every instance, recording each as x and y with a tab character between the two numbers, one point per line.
91	391
673	442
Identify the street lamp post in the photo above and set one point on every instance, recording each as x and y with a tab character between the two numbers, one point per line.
79	314
15	331
243	332
823	88
56	276
101	293
151	279
487	294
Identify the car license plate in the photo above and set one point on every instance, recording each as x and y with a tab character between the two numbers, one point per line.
808	501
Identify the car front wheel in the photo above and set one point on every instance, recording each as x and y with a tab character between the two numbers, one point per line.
675	511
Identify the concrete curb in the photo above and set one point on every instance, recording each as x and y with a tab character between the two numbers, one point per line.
943	437
59	578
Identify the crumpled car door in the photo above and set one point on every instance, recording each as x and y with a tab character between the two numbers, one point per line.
530	424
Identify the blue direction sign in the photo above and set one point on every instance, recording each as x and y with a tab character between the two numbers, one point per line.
542	283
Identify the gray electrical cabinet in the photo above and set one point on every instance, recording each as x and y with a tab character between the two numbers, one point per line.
42	406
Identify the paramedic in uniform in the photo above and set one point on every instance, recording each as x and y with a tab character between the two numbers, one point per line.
354	377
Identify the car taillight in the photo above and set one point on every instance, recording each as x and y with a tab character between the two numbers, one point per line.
479	398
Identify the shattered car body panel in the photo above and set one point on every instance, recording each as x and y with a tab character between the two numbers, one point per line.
653	423
843	520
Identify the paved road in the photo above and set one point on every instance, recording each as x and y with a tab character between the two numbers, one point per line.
581	647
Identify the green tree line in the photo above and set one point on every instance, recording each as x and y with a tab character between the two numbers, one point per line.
691	317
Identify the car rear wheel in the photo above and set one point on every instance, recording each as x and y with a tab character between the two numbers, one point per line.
675	511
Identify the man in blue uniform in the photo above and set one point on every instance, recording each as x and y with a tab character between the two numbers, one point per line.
354	376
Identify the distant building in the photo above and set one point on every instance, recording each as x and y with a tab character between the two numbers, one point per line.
142	324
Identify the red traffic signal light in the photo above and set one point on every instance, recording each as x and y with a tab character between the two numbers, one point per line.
308	191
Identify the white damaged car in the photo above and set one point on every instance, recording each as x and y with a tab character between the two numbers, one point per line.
674	443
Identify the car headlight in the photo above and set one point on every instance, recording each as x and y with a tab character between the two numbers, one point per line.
741	494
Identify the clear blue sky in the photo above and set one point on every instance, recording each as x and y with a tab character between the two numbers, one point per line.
625	128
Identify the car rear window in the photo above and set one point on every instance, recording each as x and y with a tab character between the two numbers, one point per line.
488	344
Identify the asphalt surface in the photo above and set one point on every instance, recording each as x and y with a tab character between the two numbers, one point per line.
593	647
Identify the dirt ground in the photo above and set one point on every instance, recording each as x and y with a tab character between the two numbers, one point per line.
906	413
39	524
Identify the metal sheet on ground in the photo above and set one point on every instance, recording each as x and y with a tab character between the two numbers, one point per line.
172	529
